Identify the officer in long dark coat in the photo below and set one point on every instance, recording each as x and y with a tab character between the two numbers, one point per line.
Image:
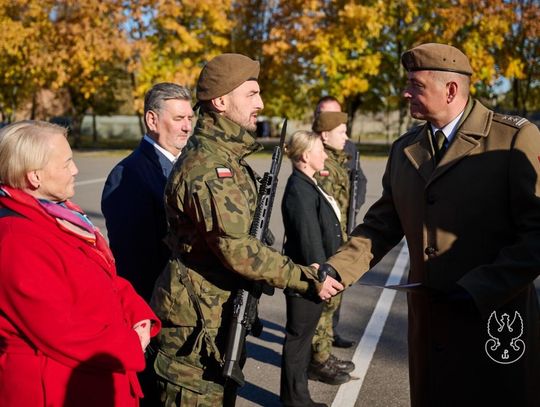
464	190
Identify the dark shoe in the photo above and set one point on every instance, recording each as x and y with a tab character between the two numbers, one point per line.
327	373
344	366
339	342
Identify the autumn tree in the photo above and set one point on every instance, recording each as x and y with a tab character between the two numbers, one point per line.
519	58
91	52
26	63
175	39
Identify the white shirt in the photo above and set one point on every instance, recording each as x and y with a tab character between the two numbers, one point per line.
450	129
166	153
333	203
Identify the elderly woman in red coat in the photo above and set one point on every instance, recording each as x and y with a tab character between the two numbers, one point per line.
72	333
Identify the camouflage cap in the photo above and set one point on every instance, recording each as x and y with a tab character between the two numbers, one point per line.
225	73
436	57
326	121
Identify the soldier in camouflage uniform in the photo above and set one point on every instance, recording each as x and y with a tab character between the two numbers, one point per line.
334	179
331	104
210	201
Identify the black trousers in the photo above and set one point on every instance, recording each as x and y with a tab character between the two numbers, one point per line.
302	318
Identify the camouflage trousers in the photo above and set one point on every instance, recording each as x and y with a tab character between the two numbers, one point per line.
187	375
321	344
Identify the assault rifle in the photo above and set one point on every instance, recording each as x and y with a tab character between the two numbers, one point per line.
354	208
245	319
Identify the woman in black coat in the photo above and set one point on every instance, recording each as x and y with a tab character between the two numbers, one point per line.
313	234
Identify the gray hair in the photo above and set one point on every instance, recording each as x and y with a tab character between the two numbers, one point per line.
160	92
24	147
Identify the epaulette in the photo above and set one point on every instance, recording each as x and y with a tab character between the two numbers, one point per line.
515	121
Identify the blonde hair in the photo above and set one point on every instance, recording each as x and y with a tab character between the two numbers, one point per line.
300	142
24	147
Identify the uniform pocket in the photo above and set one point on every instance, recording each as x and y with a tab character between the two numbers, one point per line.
170	300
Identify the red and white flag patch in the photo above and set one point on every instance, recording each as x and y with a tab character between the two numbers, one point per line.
223	172
324	173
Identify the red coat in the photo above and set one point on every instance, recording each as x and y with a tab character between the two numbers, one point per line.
66	318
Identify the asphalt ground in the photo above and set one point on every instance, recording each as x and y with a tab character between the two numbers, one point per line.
375	318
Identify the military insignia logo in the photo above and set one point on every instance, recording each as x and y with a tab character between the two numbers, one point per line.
223	172
324	173
504	345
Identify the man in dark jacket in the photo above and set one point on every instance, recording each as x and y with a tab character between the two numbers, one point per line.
132	199
464	189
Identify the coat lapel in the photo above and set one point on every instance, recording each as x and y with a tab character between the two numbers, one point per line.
468	137
420	154
156	158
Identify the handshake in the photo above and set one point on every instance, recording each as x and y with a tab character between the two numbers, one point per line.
328	278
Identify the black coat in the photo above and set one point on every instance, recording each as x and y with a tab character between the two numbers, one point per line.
133	205
312	229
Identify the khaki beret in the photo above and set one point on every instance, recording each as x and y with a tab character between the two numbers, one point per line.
436	57
326	121
225	73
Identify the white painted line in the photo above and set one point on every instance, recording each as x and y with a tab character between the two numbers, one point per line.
348	393
90	181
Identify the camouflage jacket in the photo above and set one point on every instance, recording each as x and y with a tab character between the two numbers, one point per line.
210	200
334	179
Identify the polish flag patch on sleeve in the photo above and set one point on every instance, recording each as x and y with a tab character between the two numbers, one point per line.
223	172
324	173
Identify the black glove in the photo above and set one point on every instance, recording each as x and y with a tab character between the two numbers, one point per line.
327	270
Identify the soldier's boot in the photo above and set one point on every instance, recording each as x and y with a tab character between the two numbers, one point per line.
327	373
345	366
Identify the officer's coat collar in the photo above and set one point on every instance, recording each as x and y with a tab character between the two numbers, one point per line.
419	152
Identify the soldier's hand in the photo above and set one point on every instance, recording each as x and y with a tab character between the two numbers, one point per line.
329	287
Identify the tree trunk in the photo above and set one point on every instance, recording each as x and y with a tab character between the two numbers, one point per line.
34	107
352	104
141	124
75	128
94	130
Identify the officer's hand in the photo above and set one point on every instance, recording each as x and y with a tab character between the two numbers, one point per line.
329	287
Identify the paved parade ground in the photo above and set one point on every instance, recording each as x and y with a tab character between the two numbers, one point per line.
375	318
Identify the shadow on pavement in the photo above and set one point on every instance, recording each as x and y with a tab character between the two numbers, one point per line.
259	396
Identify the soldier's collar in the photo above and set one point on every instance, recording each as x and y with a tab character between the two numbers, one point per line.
227	133
337	154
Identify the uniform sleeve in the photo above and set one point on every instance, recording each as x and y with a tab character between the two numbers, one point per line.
300	217
370	241
516	266
35	295
223	212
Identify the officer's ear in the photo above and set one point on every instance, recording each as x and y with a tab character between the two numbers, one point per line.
220	103
451	91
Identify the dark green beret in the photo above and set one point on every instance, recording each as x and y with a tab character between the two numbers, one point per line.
225	73
436	57
326	121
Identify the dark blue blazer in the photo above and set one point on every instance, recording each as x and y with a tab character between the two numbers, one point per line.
133	206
